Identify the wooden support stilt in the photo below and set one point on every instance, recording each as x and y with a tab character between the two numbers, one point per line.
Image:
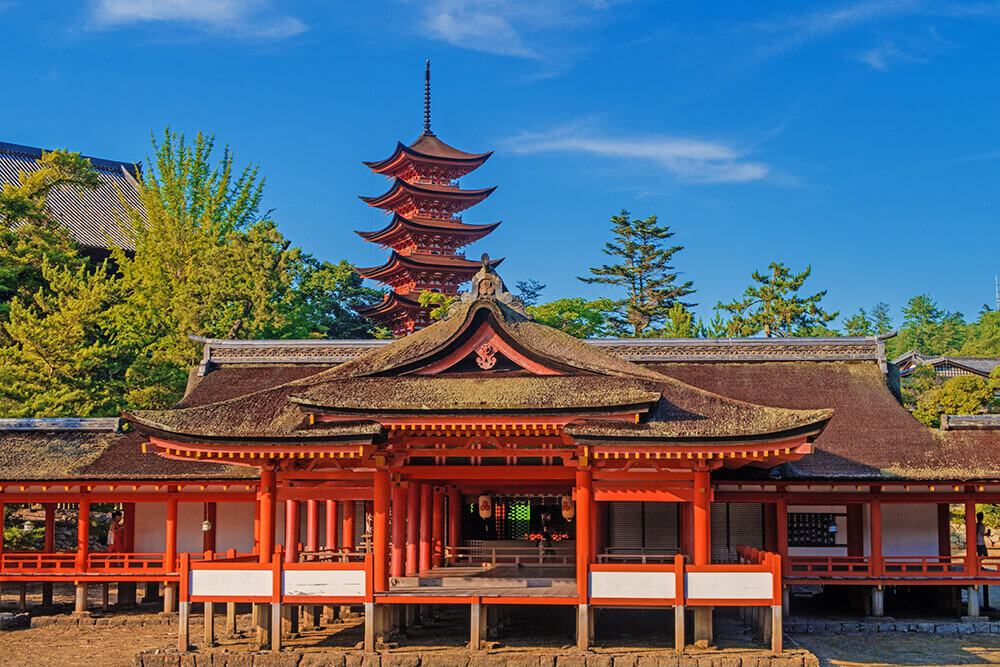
81	598
231	619
679	628
209	624
22	600
317	615
776	628
477	625
47	594
878	601
973	601
184	627
583	627
105	596
275	627
169	598
703	624
369	627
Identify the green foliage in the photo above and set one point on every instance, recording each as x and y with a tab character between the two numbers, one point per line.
16	538
983	336
437	302
772	306
928	329
62	359
28	237
577	317
680	323
529	291
652	286
876	322
918	382
961	395
207	262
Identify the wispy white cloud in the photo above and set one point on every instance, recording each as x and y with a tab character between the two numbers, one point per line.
688	159
786	33
534	29
254	19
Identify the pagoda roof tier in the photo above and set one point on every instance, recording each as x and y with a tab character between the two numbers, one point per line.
415	264
390	306
399	228
428	149
411	198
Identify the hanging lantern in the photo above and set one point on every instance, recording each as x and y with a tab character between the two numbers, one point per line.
485	507
206	526
567	507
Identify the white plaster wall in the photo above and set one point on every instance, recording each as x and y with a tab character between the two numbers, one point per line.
822	551
189	518
150	527
909	529
234	526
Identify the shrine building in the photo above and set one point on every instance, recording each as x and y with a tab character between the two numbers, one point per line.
489	461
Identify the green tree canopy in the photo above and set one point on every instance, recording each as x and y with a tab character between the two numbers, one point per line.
928	328
771	305
528	291
576	316
961	395
983	336
643	270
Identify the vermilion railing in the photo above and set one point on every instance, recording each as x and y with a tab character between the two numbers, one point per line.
99	562
891	567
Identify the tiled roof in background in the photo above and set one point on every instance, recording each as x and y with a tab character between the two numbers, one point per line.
91	217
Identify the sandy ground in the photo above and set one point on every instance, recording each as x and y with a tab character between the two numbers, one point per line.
902	649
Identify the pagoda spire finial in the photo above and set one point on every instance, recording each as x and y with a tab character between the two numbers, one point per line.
427	97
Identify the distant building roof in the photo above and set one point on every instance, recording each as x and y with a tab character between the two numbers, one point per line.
92	218
909	361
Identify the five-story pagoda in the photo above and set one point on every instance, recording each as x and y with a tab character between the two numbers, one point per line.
426	232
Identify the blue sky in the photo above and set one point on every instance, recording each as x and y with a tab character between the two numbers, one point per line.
861	138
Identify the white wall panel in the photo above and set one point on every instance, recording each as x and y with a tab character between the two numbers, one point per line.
633	584
211	583
333	583
729	585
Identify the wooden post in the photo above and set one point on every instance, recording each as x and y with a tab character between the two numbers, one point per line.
209	624
184	627
875	520
105	596
312	525
702	519
412	530
369	627
80	605
169	597
209	513
855	530
972	601
878	601
380	530
231	619
82	535
426	525
399	501
331	525
170	549
437	528
347	526
584	496
50	546
477	624
291	545
267	509
276	627
971	543
776	628
680	596
454	522
944	529
679	628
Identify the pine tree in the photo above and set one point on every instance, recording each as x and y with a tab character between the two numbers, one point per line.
771	306
651	285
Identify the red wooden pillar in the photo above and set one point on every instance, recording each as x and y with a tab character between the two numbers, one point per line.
267	509
380	526
50	527
399	499
875	520
412	530
209	514
454	522
781	532
312	525
331	524
702	519
170	550
347	526
855	530
82	534
971	557
584	505
291	531
437	528
595	531
426	503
